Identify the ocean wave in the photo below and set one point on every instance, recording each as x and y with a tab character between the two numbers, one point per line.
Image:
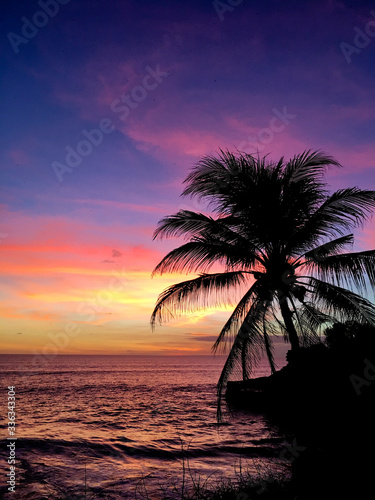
122	448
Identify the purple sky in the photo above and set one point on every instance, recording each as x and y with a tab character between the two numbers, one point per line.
166	82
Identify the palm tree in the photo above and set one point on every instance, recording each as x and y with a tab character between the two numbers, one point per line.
278	237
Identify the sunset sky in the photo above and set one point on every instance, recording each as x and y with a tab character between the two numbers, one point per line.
162	83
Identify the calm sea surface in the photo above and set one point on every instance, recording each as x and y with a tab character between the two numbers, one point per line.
106	421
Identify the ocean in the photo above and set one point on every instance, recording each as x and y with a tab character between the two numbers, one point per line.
106	426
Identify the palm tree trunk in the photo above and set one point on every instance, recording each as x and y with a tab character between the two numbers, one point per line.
289	325
269	354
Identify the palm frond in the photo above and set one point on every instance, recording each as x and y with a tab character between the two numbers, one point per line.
309	165
342	211
280	324
320	252
208	290
201	255
349	269
184	223
312	317
308	321
250	337
349	208
199	227
213	177
341	304
268	346
230	329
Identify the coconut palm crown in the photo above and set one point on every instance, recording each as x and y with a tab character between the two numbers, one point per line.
280	240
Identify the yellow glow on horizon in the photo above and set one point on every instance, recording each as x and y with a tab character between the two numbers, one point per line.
47	289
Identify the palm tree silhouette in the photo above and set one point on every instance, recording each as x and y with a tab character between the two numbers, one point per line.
279	235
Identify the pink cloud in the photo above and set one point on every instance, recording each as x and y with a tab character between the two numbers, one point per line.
19	156
52	243
176	143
